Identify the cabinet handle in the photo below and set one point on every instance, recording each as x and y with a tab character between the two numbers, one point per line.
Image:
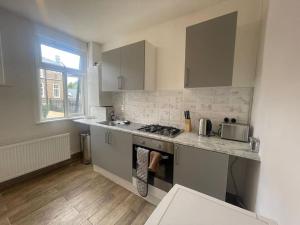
186	77
106	137
177	155
120	82
109	137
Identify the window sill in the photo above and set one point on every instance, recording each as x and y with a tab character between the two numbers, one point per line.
59	119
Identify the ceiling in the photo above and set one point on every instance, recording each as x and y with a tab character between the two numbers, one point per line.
102	20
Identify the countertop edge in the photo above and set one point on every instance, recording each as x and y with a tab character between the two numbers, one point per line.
234	152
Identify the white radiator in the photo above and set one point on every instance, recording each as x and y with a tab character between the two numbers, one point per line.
25	157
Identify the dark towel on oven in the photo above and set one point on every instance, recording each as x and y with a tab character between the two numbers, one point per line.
142	171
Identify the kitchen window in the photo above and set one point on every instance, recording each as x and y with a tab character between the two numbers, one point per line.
61	74
42	89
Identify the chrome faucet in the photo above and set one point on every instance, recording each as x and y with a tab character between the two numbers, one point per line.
112	116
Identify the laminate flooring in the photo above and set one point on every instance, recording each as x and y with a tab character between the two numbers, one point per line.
73	194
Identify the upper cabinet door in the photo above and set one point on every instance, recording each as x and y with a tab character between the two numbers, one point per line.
133	66
209	53
111	72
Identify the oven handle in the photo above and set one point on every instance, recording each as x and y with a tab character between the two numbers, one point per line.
165	157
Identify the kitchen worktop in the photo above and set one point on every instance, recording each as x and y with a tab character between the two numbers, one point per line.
215	144
183	205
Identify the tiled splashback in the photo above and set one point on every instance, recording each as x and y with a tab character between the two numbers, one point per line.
167	107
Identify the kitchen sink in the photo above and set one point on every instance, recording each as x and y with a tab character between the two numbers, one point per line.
113	123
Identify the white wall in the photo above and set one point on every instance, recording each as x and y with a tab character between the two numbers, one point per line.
169	39
18	103
276	115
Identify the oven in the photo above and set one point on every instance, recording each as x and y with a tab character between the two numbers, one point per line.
163	177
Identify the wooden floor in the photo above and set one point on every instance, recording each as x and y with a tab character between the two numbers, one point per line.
74	194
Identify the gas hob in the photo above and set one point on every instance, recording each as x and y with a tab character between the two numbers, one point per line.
161	130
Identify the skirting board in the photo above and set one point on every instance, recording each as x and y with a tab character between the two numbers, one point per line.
154	194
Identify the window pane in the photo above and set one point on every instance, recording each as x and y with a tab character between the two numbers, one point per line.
56	90
59	57
74	95
52	95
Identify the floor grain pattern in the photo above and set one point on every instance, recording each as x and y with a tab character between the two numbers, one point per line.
71	195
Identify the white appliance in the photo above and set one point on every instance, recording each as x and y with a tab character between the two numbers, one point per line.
95	96
185	206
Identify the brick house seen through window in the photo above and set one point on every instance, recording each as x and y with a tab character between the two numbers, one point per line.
60	83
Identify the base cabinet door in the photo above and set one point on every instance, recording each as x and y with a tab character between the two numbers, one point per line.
112	150
201	170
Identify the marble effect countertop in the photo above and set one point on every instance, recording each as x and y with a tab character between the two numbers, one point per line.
215	144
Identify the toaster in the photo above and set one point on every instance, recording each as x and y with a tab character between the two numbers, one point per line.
235	131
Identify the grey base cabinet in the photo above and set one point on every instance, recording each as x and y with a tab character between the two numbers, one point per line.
201	170
112	151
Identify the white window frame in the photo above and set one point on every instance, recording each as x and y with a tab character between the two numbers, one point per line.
42	88
81	73
56	87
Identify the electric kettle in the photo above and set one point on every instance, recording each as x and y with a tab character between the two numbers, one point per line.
205	127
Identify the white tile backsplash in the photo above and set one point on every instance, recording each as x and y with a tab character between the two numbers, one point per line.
166	107
101	113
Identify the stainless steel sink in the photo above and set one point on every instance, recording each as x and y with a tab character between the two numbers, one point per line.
112	123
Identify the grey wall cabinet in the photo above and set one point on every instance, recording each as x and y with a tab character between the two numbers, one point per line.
202	170
209	55
111	70
131	67
112	151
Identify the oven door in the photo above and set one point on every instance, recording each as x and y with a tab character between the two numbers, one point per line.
163	178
